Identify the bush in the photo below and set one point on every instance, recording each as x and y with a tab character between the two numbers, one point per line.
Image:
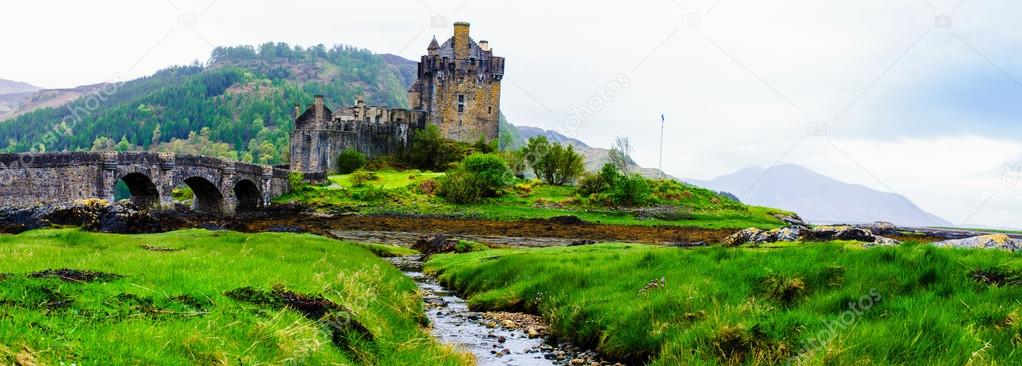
460	187
350	160
296	181
622	190
431	151
477	177
360	177
631	190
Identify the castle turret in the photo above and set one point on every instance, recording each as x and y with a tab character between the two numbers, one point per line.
458	87
433	47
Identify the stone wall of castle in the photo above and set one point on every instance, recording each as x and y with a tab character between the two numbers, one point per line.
321	134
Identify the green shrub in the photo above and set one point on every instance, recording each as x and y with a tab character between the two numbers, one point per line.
460	187
182	194
610	185
371	194
296	180
360	177
350	160
631	190
467	246
431	151
477	177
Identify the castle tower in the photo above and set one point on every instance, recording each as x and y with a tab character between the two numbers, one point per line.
458	87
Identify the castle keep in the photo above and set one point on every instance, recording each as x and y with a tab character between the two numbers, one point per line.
457	90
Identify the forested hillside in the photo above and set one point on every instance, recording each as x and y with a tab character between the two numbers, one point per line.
238	106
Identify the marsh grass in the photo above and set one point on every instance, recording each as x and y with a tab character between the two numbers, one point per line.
411	192
810	303
169	307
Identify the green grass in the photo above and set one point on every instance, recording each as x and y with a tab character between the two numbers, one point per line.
388	179
400	193
760	306
169	307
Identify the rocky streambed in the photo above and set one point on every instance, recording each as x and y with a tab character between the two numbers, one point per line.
495	338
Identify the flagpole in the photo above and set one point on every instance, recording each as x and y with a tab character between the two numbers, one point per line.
662	121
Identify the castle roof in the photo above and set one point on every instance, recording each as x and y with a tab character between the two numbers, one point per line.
447	50
310	115
433	45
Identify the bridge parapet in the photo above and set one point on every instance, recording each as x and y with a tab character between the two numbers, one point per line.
32	179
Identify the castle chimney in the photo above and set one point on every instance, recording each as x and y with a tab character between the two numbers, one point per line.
319	108
461	40
484	45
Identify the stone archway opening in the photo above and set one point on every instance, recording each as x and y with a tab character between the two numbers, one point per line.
138	188
248	196
207	197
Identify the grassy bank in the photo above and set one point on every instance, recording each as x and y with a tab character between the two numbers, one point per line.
201	297
409	192
819	303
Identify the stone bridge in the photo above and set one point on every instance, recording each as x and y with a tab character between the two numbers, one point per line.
219	185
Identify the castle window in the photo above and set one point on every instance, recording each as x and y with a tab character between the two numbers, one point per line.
461	103
489	110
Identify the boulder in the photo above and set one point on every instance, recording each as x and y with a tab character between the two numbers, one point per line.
742	237
882	242
437	244
791	233
792	220
855	234
996	241
880	228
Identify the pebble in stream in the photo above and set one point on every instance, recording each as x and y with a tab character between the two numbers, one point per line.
491	342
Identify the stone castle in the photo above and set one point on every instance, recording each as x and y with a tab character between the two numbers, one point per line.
457	90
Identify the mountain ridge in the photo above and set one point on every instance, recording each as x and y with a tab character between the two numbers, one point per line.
819	198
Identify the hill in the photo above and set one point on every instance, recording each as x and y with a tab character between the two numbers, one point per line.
12	94
239	105
819	198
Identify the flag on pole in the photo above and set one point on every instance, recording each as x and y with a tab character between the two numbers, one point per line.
662	120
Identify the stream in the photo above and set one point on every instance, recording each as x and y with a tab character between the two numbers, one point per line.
494	338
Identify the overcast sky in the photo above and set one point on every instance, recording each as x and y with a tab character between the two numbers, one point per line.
917	97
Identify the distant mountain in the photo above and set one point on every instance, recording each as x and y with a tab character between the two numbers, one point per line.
818	198
16	87
13	94
595	157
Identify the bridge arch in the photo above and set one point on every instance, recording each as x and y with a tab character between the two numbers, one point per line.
207	195
247	195
144	192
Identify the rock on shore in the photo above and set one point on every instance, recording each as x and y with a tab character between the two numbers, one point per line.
996	241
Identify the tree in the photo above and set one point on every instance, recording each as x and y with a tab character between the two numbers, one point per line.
516	161
559	165
621	154
350	160
535	151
